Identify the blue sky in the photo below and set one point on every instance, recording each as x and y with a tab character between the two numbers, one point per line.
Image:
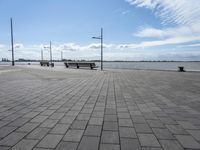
133	29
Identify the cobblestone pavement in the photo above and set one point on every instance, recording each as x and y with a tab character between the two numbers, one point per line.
69	109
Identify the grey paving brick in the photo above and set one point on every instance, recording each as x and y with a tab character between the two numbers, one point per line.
195	134
125	122
188	141
49	123
148	140
57	116
142	128
73	135
130	144
38	133
155	124
113	126
127	132
60	129
19	122
163	133
79	124
4	148
39	118
28	127
187	125
109	147
176	129
83	117
50	141
110	118
4	131
25	145
89	143
171	145
67	119
93	130
67	146
96	121
12	139
110	137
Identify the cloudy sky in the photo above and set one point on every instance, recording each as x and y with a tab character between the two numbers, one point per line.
133	29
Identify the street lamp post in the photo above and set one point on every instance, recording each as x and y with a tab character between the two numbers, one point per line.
101	38
41	54
50	52
61	55
12	43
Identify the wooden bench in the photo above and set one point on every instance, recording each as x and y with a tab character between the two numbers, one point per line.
91	65
46	63
181	69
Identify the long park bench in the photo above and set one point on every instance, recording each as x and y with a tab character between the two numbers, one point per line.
46	63
91	65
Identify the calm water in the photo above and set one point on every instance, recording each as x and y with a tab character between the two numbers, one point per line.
189	66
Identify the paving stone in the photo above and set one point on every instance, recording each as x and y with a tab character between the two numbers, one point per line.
28	127
57	116
110	117
50	141
67	119
83	117
195	134
25	145
127	132
142	128
12	139
188	141
4	148
163	133
39	119
176	129
110	137
109	147
89	143
150	148
138	119
113	126
31	114
148	140
125	122
96	121
171	145
79	124
60	129
130	144
92	130
19	122
73	135
67	146
4	131
48	123
187	125
38	133
155	124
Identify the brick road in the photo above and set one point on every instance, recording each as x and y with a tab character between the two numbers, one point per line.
69	109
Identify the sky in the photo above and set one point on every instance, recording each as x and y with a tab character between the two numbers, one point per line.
133	29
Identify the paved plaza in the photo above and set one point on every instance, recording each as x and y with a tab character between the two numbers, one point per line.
70	109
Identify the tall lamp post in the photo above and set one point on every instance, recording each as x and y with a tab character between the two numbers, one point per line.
12	43
50	52
101	38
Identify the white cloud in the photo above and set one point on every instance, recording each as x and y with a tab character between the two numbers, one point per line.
184	14
172	11
18	45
